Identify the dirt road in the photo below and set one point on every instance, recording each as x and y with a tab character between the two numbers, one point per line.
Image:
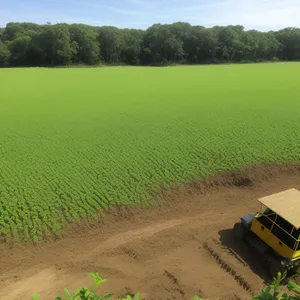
181	249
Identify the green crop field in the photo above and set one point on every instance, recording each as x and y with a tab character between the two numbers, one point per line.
73	141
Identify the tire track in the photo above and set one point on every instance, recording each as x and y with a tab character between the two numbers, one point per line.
228	268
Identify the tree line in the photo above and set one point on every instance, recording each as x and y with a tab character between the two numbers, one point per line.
29	44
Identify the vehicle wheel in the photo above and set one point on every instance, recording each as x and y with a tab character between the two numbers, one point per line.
239	231
275	268
296	270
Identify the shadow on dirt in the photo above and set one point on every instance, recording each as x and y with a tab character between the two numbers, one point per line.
243	254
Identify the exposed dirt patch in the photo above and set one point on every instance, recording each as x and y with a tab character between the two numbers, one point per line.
181	248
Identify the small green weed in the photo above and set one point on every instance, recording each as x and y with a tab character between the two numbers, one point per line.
271	292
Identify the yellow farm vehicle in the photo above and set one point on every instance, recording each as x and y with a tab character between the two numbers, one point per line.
274	231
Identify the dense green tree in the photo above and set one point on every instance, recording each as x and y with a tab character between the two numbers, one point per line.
162	43
290	41
19	50
181	31
12	31
202	45
4	55
230	45
131	46
1	34
62	44
110	39
85	43
53	46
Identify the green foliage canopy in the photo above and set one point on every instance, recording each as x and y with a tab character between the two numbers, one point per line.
62	44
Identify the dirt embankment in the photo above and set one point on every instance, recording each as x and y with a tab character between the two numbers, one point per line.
182	248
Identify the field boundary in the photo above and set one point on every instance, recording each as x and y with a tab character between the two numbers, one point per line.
246	177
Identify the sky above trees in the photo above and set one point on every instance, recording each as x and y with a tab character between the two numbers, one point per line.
263	15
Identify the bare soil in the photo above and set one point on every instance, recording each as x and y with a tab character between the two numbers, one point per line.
181	248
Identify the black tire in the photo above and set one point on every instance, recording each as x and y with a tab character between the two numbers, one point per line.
296	270
276	267
239	231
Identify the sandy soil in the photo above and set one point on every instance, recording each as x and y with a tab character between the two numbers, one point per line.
180	249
